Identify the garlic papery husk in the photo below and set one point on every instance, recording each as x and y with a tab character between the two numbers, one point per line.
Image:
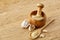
25	24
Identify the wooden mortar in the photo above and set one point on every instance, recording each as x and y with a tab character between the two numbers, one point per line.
40	17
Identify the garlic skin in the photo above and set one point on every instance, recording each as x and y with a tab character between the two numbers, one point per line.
45	31
31	27
42	36
25	24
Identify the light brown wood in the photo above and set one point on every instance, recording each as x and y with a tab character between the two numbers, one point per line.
39	9
37	32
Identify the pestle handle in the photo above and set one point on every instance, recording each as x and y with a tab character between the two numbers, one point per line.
39	10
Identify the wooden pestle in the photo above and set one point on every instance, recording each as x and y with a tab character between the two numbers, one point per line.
38	16
39	10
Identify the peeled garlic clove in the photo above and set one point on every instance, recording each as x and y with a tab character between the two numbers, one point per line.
25	24
42	36
45	31
31	27
34	34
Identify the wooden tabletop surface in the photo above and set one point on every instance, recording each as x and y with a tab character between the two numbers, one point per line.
13	12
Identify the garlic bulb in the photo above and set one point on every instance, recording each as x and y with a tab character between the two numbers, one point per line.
25	24
31	27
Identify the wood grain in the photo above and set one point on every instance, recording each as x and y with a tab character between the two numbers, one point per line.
11	15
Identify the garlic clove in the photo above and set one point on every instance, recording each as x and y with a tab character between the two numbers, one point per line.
45	31
31	27
25	24
42	36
